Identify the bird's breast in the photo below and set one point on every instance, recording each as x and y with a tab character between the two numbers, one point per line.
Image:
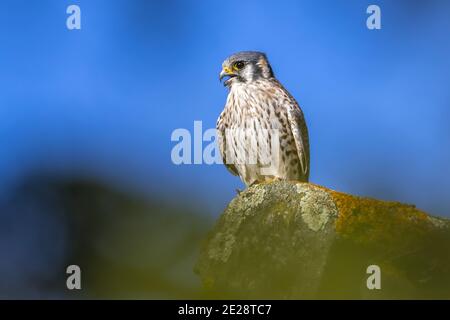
247	101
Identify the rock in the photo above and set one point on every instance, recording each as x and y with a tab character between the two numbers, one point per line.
298	240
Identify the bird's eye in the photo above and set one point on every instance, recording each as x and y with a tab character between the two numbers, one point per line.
238	65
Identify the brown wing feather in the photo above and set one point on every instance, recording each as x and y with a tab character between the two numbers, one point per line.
300	133
299	130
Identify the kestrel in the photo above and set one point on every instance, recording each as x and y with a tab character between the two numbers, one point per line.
261	132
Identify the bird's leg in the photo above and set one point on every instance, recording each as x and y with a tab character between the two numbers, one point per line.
273	179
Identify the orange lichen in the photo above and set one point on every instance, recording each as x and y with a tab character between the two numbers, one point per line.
373	221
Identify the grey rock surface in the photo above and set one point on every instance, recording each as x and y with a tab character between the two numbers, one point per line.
298	240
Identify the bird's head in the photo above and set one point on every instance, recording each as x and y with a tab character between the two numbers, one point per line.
245	67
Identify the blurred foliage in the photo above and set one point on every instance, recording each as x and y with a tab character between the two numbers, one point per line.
127	246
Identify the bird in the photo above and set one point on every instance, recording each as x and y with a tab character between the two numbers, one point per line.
261	132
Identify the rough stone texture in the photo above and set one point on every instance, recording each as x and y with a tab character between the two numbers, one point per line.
299	240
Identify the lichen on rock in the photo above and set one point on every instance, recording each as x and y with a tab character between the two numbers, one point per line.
316	207
299	240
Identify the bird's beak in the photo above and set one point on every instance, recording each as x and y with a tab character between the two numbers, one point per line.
226	72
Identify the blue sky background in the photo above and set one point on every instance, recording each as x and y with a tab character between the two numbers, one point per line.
103	101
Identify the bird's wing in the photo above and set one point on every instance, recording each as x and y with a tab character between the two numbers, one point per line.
300	132
221	141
